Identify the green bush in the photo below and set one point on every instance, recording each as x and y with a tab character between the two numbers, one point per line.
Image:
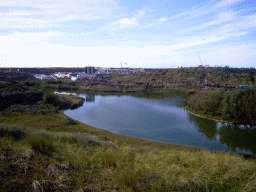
68	121
51	98
74	106
240	105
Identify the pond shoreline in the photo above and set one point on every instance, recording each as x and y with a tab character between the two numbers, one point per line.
170	138
186	108
161	143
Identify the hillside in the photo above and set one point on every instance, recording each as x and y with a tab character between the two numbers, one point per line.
196	75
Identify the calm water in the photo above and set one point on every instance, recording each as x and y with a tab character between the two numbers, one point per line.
161	117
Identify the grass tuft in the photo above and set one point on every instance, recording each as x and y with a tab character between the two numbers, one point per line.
14	131
41	145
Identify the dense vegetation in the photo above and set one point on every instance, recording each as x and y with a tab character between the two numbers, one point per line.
23	97
210	75
99	85
236	105
63	101
15	76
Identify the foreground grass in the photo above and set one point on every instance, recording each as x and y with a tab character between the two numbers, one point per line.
55	153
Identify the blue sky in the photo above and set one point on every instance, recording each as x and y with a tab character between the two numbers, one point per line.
144	34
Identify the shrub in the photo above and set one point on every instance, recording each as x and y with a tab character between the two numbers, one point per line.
51	98
74	106
36	109
68	121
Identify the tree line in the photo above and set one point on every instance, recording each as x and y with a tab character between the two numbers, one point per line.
236	105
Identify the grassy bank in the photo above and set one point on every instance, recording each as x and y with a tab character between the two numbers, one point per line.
62	101
202	114
55	153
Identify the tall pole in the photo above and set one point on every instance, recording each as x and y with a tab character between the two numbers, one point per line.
121	67
200	58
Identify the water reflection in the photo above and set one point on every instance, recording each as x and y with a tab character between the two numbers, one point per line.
235	136
90	98
232	135
159	95
205	126
178	99
159	117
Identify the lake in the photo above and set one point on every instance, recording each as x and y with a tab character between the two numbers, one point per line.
160	117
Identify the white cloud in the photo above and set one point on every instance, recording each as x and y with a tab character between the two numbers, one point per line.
141	13
20	22
19	13
203	10
248	22
226	3
226	16
223	17
27	38
55	10
31	50
61	3
204	26
120	25
194	42
126	21
161	20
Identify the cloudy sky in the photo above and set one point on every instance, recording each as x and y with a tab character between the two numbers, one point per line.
141	33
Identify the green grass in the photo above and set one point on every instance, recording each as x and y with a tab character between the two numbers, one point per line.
194	87
40	152
63	101
202	114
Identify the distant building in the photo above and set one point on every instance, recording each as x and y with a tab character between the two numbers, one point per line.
75	77
62	75
90	70
88	75
42	76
